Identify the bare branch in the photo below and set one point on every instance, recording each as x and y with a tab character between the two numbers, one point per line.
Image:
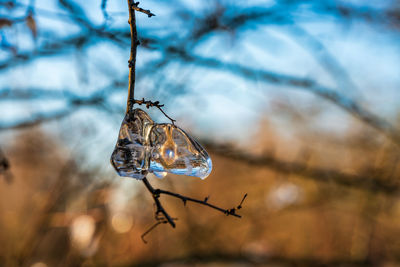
132	59
204	202
160	209
156	104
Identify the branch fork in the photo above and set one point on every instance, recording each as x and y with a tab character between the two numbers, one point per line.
166	218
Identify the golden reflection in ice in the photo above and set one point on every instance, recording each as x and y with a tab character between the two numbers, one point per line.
168	150
122	222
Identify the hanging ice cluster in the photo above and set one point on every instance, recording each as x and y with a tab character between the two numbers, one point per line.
144	146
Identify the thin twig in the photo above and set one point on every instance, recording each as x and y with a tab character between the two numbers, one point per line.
168	219
241	202
151	229
134	43
204	202
132	59
136	7
157	192
156	104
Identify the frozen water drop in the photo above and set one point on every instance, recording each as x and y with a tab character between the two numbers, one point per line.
180	154
144	146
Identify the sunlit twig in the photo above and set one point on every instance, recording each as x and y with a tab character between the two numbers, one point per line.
160	209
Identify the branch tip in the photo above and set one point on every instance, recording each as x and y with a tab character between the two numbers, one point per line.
241	202
135	6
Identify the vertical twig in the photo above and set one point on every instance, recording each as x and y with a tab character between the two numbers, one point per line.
132	59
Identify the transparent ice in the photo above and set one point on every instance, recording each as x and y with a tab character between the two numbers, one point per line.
145	146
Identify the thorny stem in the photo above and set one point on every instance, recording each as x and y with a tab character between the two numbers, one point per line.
156	104
202	202
132	61
167	218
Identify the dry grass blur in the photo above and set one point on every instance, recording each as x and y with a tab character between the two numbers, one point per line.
59	215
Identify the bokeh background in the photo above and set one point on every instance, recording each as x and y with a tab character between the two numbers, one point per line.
297	103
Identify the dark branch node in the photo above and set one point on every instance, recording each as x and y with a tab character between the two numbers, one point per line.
233	210
230	212
156	193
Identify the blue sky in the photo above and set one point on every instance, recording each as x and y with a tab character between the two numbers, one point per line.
217	104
